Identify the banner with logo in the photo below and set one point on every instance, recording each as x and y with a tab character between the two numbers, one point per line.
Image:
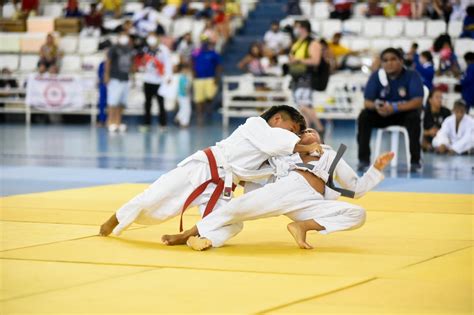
55	93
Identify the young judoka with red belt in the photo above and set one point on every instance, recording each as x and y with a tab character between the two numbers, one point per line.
307	195
208	177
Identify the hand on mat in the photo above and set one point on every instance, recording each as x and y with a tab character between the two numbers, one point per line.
382	161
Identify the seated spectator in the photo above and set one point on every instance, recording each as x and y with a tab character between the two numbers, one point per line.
393	96
405	9
425	68
49	52
432	9
112	7
7	80
448	64
92	22
456	135
467	81
434	115
373	8
72	9
251	63
206	12
275	40
341	9
185	48
390	9
53	69
42	68
340	52
328	56
206	66
28	6
468	24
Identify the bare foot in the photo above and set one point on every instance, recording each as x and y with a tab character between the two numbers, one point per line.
108	226
176	239
198	243
299	234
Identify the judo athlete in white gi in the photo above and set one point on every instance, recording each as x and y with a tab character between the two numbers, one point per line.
304	196
456	135
208	177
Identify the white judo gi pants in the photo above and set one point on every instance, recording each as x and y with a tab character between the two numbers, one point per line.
462	144
164	199
291	196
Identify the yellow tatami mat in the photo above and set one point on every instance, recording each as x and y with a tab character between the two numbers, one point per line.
414	255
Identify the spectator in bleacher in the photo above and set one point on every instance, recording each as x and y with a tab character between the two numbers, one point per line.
185	48
145	21
305	56
393	96
434	115
185	9
7	80
373	8
232	9
405	8
251	63
339	51
72	9
92	22
207	69
448	62
390	8
328	56
456	135
468	24
112	8
118	68
467	81
158	70
432	9
183	117
206	12
49	53
102	101
28	6
425	68
42	68
341	9
275	40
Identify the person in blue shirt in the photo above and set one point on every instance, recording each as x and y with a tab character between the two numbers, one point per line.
206	67
467	81
393	96
425	68
102	104
468	24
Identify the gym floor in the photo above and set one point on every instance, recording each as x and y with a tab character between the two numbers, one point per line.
59	183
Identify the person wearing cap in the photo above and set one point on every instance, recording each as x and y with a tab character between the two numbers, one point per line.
206	67
393	96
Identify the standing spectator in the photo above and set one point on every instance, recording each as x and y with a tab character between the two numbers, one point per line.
251	62
467	81
112	7
341	9
118	68
158	70
305	57
92	22
468	24
456	135
275	41
102	102
49	52
434	115
185	48
183	117
373	8
393	96
72	9
425	68
206	68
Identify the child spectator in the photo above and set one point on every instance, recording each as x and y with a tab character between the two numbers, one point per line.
183	117
424	66
435	114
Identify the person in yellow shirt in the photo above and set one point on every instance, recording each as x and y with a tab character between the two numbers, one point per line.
339	51
112	7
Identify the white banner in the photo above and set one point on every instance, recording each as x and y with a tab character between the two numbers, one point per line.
54	93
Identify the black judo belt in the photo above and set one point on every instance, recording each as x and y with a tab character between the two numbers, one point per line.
332	168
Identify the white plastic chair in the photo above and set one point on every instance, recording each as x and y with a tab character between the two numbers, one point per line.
403	43
306	8
28	63
329	27
359	10
462	46
321	10
181	26
10	62
53	10
8	10
352	26
132	7
68	44
71	63
373	28
424	43
315	26
435	28
455	28
380	44
88	45
394	131
360	44
394	28
10	42
414	29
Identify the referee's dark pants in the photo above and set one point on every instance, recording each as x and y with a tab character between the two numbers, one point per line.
369	119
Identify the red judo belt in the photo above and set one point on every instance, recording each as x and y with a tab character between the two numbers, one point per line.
215	179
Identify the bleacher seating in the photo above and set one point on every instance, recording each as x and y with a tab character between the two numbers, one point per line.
40	24
9	61
28	63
